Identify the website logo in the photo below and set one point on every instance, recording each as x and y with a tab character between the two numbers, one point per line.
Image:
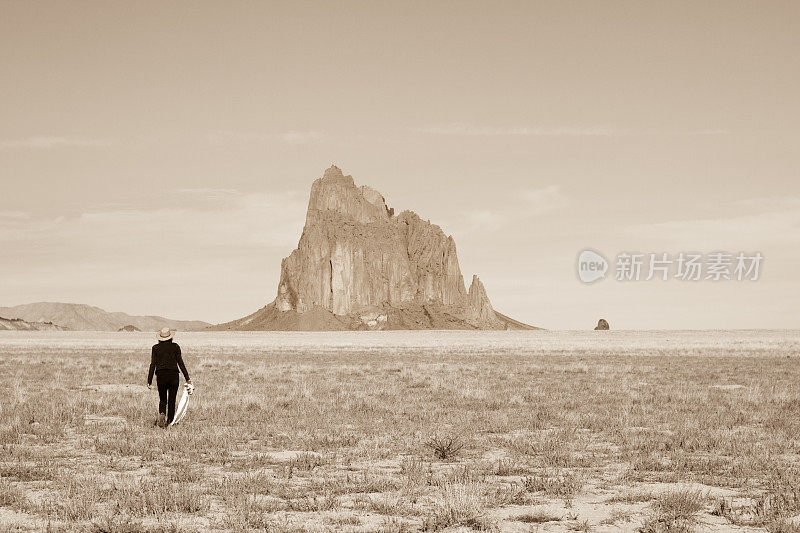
591	266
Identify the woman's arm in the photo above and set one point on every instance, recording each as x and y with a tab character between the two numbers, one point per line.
152	366
180	363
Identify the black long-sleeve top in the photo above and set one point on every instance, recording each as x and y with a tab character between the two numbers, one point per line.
166	357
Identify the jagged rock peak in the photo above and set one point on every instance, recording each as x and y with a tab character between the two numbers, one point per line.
333	172
354	254
479	301
338	193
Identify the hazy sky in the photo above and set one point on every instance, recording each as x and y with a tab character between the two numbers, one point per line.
156	157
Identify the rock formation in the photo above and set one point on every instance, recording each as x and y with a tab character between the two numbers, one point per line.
129	328
17	324
602	325
360	266
478	301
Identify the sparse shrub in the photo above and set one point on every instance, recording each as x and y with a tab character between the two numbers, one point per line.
561	484
783	526
508	467
446	447
315	504
465	473
12	496
247	483
126	445
782	498
415	471
250	512
184	472
632	496
23	471
117	523
156	498
780	501
616	516
461	504
346	520
580	526
552	448
306	461
384	504
652	463
70	509
393	524
674	512
510	494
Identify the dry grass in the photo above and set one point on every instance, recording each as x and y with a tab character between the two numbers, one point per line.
409	439
675	511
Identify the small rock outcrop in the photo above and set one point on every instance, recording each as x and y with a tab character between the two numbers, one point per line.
360	266
602	324
129	328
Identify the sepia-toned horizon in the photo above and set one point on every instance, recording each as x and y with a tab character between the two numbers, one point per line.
157	159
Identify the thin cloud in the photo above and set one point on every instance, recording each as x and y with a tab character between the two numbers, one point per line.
14	215
525	205
44	142
208	194
249	221
300	137
470	130
538	201
748	232
770	203
287	137
208	191
484	220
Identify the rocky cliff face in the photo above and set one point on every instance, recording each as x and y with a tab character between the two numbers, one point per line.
360	266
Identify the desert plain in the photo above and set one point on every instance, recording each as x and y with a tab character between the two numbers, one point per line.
405	431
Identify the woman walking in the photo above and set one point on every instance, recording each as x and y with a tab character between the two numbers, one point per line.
165	361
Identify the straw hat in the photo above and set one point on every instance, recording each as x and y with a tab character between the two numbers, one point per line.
165	334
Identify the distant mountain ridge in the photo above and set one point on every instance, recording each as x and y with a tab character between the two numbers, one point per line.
17	324
82	317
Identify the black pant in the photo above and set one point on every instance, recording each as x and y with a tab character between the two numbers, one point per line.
168	383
